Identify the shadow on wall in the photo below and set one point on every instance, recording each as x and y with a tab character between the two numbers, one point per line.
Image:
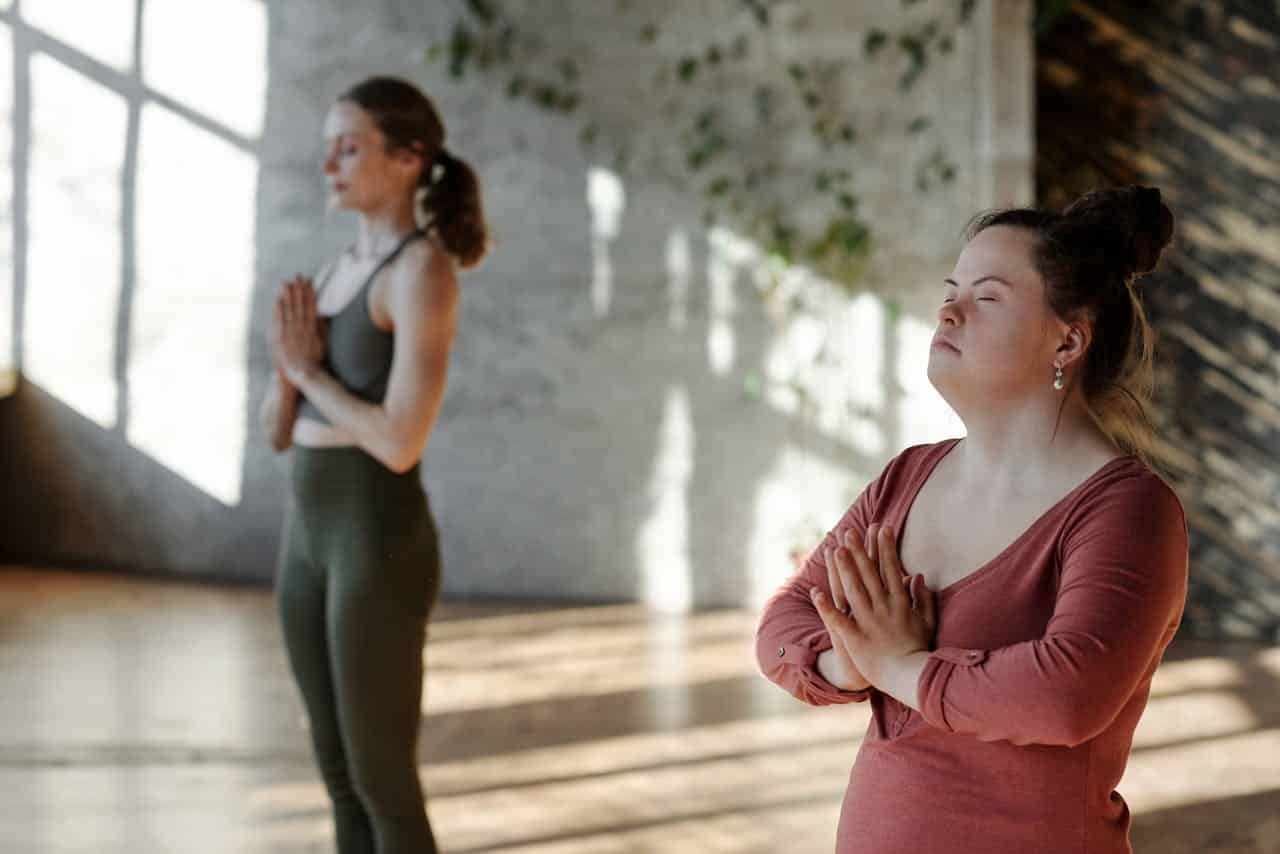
646	429
1183	97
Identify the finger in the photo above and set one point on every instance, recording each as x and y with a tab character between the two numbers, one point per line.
831	618
833	581
308	302
287	298
928	600
890	567
868	574
855	592
870	546
297	305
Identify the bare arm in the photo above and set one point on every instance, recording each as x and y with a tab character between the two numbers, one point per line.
422	299
278	412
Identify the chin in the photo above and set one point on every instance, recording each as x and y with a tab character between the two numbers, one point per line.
944	376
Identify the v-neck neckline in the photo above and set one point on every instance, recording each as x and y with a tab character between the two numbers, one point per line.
984	568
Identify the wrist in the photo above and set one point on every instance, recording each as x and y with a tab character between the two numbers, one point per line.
300	376
832	669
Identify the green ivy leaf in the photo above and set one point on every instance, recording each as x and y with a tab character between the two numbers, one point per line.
649	34
874	42
919	125
797	71
545	96
719	187
461	44
687	69
483	10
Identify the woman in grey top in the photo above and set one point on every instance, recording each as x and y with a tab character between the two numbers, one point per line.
360	370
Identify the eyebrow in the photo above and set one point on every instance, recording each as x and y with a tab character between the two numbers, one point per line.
979	281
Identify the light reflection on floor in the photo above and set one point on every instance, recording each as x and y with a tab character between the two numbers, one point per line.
143	716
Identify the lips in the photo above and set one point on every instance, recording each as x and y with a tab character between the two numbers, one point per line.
941	342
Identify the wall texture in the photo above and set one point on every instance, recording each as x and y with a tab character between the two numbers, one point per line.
626	417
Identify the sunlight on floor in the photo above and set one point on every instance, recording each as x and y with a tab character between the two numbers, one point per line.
203	749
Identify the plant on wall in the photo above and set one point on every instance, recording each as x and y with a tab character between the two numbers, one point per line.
727	138
796	201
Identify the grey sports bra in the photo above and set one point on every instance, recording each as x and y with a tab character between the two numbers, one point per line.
358	352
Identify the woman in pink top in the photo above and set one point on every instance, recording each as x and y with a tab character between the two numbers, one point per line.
1002	600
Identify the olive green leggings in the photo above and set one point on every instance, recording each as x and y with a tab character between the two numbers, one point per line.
359	570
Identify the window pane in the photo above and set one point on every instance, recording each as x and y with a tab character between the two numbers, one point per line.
210	57
6	216
103	28
73	270
188	351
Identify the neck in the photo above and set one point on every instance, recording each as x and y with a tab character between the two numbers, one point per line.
381	229
1005	445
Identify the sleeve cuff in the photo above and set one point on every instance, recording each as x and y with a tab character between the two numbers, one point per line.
805	658
932	686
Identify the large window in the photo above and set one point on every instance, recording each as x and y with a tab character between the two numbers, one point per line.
127	252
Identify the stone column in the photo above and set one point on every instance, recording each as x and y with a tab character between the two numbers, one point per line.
1005	102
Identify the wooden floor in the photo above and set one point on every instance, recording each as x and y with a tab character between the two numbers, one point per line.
140	716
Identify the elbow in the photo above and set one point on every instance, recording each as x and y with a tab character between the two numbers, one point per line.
1075	721
399	465
399	458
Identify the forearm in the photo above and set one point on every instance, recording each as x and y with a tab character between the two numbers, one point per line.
829	668
278	413
899	676
366	422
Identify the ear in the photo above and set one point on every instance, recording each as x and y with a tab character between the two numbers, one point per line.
409	158
1074	343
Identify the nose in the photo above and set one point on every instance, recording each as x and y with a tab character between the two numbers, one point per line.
949	314
330	165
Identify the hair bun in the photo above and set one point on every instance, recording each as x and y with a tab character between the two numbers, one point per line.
1153	229
1135	218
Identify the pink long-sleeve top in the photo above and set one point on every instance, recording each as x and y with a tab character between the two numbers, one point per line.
1041	667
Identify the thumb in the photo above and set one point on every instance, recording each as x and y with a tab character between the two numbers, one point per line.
926	602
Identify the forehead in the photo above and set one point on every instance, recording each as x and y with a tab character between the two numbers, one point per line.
998	251
346	119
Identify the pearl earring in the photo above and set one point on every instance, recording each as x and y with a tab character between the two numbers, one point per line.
1057	378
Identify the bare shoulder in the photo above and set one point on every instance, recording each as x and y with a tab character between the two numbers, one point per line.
426	274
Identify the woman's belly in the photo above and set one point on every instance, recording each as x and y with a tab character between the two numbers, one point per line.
310	433
930	792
